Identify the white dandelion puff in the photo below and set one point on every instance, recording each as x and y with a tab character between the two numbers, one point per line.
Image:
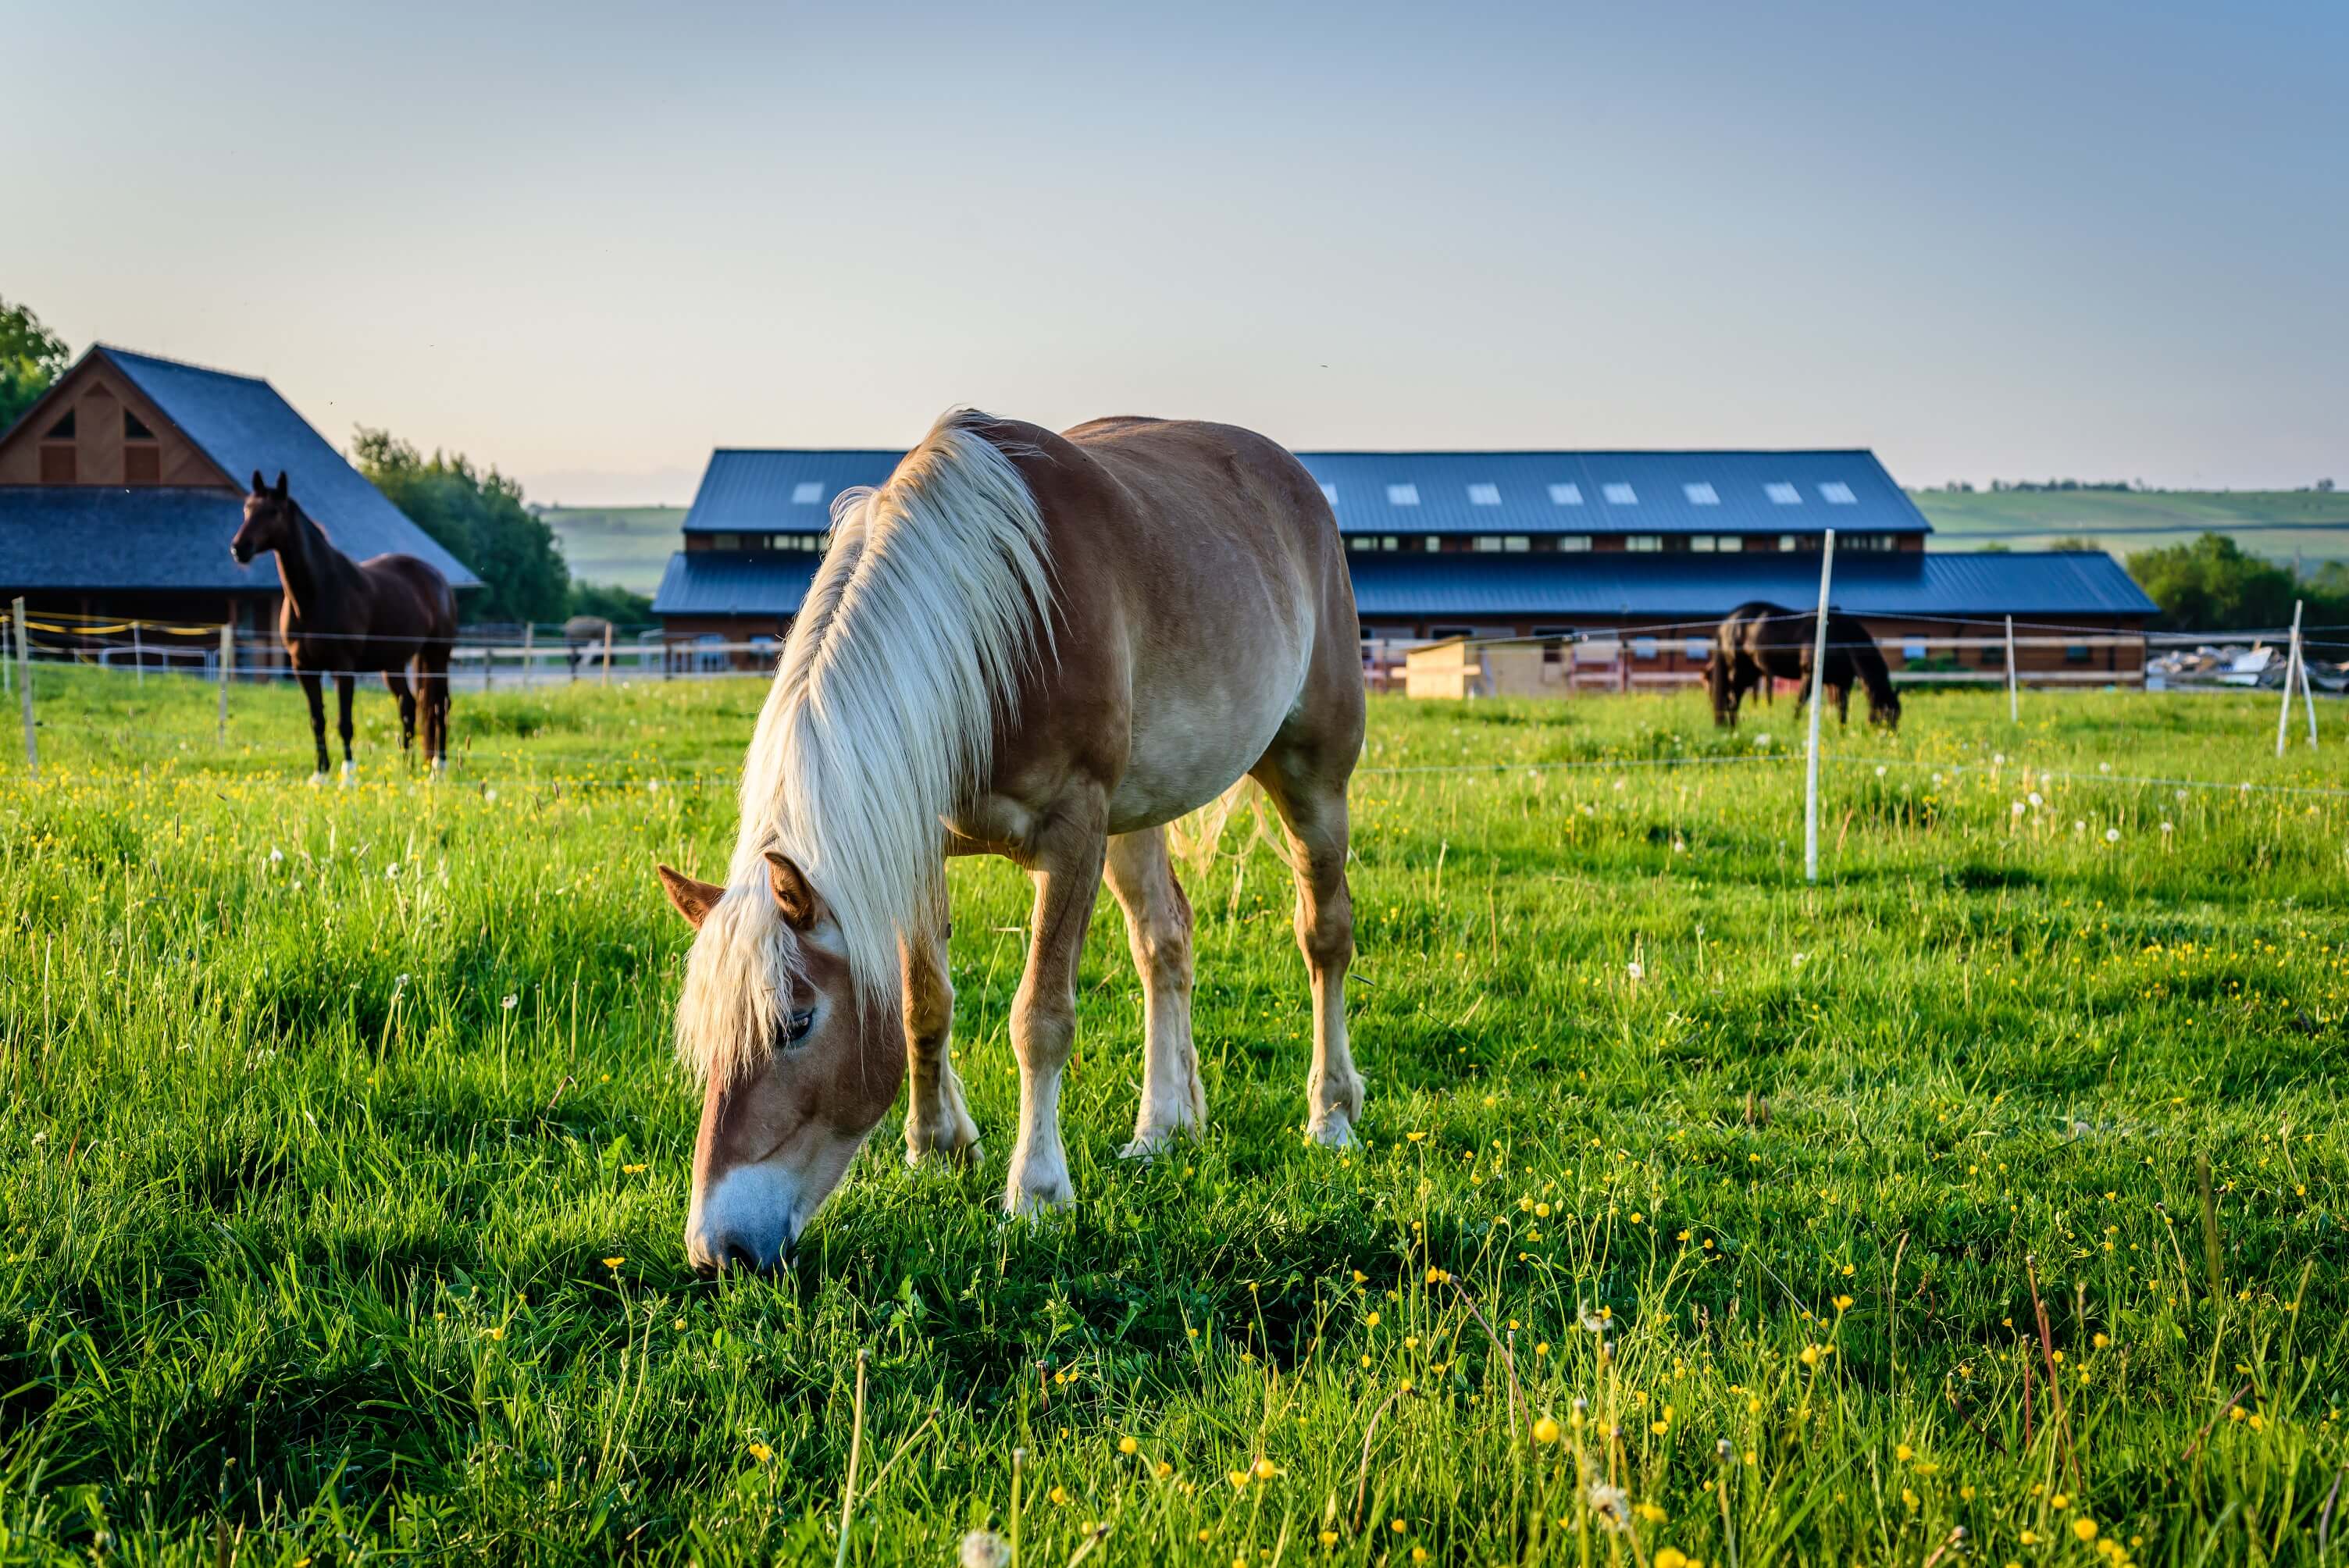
511	1002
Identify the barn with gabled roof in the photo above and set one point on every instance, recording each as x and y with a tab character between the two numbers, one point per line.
120	490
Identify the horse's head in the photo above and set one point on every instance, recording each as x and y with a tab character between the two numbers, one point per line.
799	1066
1884	707
269	521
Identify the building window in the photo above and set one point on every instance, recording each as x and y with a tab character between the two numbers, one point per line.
1434	542
1783	494
1643	541
1696	650
807	492
1361	542
1554	640
1573	543
1440	632
63	430
1515	543
1834	492
1402	495
1914	649
725	542
1489	543
2076	653
1390	542
1993	658
1701	494
1620	495
1870	542
1788	541
1565	495
1703	543
1643	647
1483	495
1731	543
133	429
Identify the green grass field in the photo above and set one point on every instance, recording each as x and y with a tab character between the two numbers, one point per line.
2283	525
1702	1215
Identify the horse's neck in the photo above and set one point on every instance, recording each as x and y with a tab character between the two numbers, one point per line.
311	569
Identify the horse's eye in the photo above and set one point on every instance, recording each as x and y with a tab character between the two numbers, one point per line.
801	1024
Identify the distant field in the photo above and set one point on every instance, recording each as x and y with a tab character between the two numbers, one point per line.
625	546
1703	1215
2274	523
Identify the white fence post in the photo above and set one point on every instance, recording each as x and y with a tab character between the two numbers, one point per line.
2309	697
2291	668
529	652
2013	707
227	663
1819	694
25	688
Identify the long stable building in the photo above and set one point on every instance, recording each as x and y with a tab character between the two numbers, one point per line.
1559	546
120	490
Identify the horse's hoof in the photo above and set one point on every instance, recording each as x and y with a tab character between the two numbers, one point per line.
949	1156
317	779
1149	1143
1334	1129
350	773
1023	1202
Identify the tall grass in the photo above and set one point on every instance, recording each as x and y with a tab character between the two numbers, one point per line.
344	1167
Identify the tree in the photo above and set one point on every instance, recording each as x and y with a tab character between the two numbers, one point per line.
2211	585
613	604
2076	544
478	516
31	357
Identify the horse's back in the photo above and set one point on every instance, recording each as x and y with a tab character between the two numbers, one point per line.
1205	595
430	603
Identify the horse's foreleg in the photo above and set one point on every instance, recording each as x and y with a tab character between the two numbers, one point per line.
1158	932
1313	809
937	1119
343	688
317	699
1067	874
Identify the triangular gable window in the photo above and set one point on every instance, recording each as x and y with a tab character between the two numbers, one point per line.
63	430
133	429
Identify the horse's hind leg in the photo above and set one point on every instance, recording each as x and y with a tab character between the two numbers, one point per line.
1158	931
318	700
937	1119
1311	799
1066	867
432	679
343	685
396	682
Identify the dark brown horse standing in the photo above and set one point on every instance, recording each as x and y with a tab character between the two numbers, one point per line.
348	618
1760	642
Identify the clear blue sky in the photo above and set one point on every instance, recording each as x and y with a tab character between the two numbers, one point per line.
589	242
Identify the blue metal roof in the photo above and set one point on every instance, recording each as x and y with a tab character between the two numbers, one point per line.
1695	587
87	538
721	582
747	491
241	424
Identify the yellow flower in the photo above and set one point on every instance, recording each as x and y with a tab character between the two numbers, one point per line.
1127	1445
1545	1430
632	1169
762	1452
1238	1480
1438	1276
1670	1557
614	1263
1843	1303
2085	1529
1058	1494
1371	1320
1164	1470
1419	1554
1265	1469
1652	1514
1810	1355
1903	1452
2031	1538
1329	1539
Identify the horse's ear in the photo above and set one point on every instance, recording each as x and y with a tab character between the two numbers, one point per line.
257	486
792	894
694	900
281	484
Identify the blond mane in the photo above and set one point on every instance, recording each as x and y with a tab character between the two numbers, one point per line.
904	658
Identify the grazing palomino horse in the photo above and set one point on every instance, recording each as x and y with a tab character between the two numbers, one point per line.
349	618
1760	641
1044	647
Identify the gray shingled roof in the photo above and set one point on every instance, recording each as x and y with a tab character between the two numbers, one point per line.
91	538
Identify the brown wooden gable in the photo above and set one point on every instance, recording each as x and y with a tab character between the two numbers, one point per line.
96	428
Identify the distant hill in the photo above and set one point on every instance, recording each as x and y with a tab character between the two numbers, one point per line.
626	546
2278	524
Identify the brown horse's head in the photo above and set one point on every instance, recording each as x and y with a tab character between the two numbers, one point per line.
269	521
798	1067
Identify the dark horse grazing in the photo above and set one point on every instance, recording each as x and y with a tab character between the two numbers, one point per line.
1760	641
348	618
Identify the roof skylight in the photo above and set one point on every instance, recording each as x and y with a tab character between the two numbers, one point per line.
1701	495
1402	495
1620	495
1837	493
1565	495
1483	495
808	492
1783	493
